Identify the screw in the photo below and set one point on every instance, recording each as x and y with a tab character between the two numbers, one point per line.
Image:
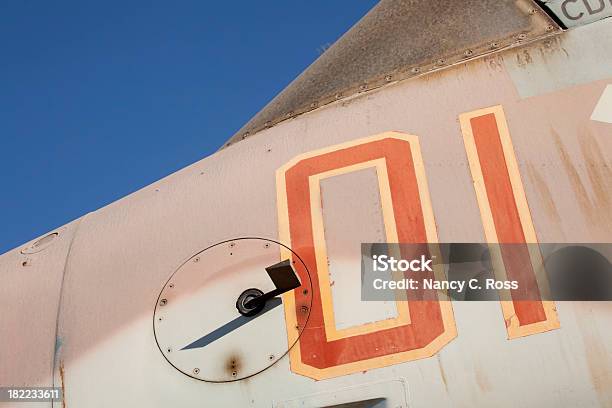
196	371
441	61
468	53
550	28
494	45
388	78
522	36
163	302
416	70
304	309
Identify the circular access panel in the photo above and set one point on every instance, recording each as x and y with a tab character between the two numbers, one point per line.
220	317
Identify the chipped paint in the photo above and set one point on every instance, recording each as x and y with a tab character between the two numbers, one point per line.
62	383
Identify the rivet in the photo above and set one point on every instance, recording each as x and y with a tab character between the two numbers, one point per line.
196	371
441	61
550	28
304	309
522	36
163	302
271	357
416	70
468	53
388	78
169	350
234	373
494	45
196	259
171	285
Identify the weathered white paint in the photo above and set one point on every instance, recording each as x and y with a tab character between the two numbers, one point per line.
603	109
579	56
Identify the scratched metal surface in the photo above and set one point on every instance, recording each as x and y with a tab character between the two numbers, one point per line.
124	253
399	39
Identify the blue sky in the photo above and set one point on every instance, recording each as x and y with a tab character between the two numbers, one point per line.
99	99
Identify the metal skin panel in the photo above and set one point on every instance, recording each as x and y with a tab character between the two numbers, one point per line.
29	302
125	252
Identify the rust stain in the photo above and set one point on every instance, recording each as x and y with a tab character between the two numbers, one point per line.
546	198
442	373
61	373
551	47
598	212
599	174
598	359
233	364
523	58
481	379
580	191
545	195
494	63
